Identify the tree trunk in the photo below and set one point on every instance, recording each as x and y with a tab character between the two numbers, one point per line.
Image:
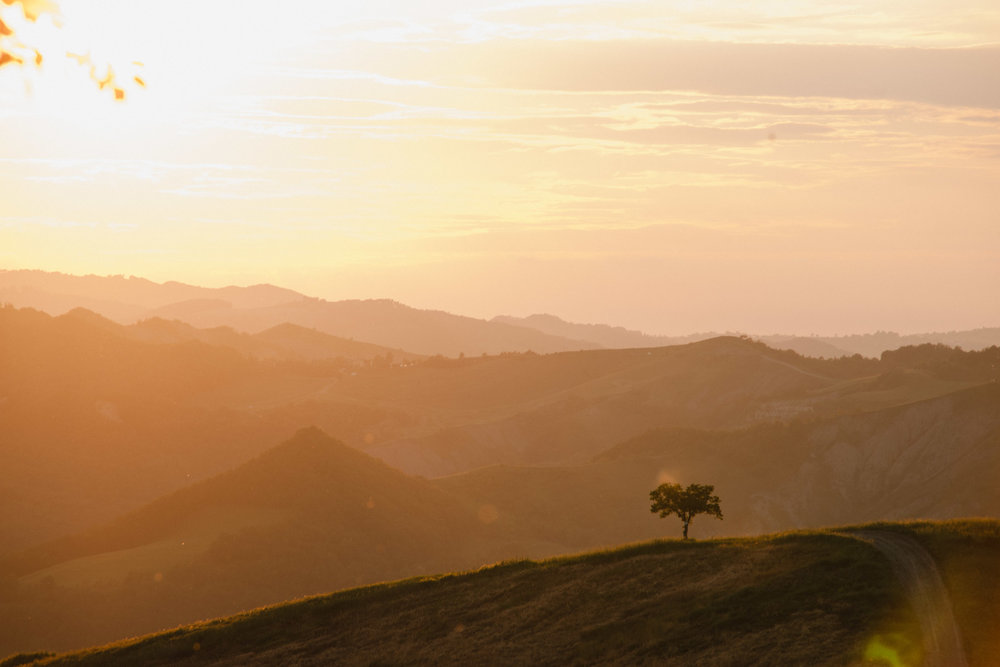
686	529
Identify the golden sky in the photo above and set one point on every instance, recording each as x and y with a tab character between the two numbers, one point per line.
804	167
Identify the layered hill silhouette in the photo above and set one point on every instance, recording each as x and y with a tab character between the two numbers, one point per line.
97	420
390	324
936	458
565	408
521	454
286	342
314	514
603	334
830	347
261	307
91	412
308	516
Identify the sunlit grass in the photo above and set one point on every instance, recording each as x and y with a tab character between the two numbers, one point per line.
801	597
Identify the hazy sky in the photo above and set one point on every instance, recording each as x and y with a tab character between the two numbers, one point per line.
824	167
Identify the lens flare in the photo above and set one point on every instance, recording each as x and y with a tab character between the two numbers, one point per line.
665	477
488	514
895	650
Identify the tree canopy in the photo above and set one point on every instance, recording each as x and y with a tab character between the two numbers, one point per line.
686	503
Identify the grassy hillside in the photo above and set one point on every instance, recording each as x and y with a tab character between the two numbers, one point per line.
794	599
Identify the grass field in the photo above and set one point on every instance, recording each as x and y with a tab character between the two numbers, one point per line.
803	598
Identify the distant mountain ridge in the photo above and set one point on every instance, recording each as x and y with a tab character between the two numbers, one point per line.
260	307
394	325
830	347
602	334
284	341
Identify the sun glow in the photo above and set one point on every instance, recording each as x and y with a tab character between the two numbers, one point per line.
117	71
57	47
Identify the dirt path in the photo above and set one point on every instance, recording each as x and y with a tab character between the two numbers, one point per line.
922	581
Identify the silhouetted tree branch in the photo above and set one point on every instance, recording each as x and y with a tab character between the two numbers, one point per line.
15	51
686	503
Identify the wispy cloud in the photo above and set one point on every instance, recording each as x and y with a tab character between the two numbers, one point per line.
642	141
947	76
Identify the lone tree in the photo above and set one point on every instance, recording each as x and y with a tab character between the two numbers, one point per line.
686	503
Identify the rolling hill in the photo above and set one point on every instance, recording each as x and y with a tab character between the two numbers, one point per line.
96	422
620	337
308	516
938	458
542	455
602	334
284	342
99	419
817	598
122	298
565	408
314	514
873	344
830	347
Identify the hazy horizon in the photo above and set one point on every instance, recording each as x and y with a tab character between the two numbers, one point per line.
796	168
111	297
